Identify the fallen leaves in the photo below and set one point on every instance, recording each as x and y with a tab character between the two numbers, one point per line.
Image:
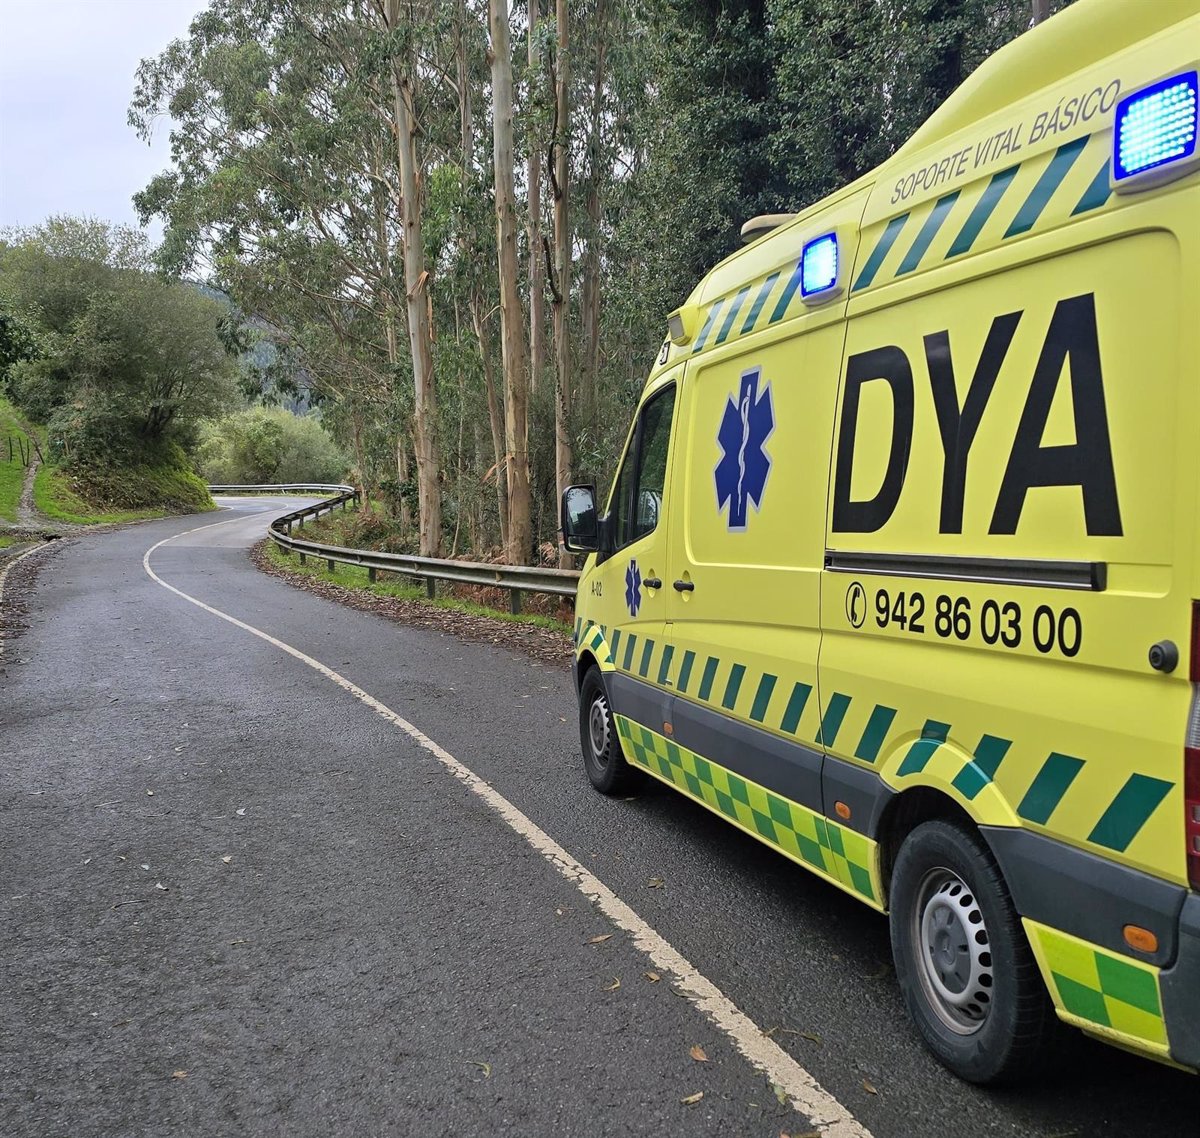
486	1068
869	1087
771	1032
240	811
601	938
653	977
697	1053
227	859
691	1100
614	985
655	883
179	1074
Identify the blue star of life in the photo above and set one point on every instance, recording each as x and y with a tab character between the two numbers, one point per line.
633	588
741	474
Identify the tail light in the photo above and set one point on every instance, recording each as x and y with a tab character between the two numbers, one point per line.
1191	808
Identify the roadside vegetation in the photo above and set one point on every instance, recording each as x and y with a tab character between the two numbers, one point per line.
366	529
111	367
13	449
260	445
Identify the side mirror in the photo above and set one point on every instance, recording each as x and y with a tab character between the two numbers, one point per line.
580	524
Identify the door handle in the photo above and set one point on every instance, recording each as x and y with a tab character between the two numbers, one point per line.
685	586
653	583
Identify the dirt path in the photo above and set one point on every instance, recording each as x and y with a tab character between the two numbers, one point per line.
27	514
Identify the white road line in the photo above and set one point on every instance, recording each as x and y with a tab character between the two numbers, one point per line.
804	1092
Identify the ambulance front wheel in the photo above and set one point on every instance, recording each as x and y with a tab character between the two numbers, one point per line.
603	760
963	963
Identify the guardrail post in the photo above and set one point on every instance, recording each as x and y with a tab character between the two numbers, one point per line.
514	601
329	561
289	529
303	559
430	587
371	574
300	523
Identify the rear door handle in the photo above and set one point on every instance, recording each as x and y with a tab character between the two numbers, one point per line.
653	583
684	586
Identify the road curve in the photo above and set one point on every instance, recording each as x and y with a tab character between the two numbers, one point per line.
337	933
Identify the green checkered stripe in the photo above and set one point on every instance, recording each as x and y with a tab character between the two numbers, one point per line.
841	855
852	726
1100	987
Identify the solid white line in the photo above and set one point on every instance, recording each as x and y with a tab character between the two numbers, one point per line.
804	1092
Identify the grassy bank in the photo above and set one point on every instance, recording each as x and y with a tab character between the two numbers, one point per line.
398	587
12	472
126	494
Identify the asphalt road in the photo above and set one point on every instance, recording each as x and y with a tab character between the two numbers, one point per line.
234	899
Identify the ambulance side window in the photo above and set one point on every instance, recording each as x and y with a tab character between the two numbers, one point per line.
637	502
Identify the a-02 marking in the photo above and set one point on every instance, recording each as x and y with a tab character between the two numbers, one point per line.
996	621
597	587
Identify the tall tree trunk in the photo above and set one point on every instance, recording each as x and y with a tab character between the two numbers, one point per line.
475	299
402	474
562	263
420	323
537	270
512	321
1041	11
495	415
589	302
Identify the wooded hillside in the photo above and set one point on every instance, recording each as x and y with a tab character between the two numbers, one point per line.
465	225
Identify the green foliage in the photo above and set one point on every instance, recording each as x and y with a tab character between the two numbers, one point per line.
122	493
263	445
12	471
126	362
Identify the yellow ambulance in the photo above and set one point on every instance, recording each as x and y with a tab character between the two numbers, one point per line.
899	572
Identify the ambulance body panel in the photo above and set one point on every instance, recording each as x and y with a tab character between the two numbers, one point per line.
908	548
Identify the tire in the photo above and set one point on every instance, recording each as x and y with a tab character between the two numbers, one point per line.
605	763
964	966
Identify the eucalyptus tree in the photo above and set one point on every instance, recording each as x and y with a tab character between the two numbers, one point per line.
290	164
515	353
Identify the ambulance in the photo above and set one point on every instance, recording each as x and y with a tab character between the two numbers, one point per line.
900	571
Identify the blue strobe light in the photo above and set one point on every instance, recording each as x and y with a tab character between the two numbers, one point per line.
819	266
1155	126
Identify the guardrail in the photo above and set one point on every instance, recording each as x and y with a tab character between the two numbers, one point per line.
285	488
517	579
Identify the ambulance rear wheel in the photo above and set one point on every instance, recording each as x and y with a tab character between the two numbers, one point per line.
603	760
964	966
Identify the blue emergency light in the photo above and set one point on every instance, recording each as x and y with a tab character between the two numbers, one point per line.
1155	126
819	267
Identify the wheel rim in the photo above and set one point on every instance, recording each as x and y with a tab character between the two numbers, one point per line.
953	951
599	732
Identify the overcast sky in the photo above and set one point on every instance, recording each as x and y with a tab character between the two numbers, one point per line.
66	79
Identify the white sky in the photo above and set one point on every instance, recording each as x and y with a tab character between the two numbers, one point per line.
66	79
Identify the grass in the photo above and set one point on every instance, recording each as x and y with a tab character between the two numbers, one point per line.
53	496
12	474
353	577
5	542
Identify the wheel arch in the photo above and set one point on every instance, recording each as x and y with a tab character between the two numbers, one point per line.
910	809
